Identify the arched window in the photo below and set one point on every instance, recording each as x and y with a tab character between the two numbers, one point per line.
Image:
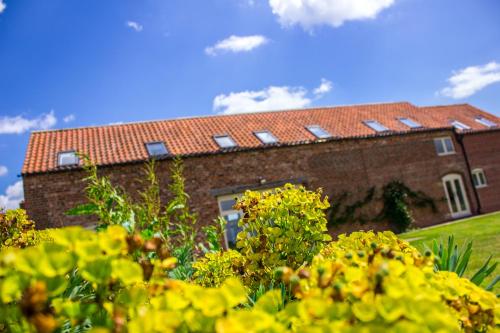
456	195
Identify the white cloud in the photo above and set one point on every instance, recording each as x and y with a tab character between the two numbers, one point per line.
2	6
135	26
19	124
3	170
269	99
236	44
468	81
69	118
323	88
309	13
13	196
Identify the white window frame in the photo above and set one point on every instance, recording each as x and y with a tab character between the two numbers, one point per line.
460	126
227	136
67	152
266	132
486	122
148	144
409	122
376	126
443	143
453	178
325	135
476	173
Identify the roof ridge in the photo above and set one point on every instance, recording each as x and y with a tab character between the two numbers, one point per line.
220	115
445	105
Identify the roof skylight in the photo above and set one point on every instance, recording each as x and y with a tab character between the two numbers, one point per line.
224	141
319	132
66	158
486	122
459	125
266	137
156	148
410	123
376	126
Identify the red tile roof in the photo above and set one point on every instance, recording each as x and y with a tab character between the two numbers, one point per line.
122	143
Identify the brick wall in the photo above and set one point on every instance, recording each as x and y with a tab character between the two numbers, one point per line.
483	151
352	165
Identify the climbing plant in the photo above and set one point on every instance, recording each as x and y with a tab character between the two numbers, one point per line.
397	199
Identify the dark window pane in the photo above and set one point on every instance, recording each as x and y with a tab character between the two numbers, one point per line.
226	205
460	195
232	229
451	195
449	145
482	178
475	179
438	143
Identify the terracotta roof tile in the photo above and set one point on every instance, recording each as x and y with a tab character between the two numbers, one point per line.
187	136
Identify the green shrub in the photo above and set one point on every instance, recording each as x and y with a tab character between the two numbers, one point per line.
115	281
283	227
376	282
364	282
450	258
16	229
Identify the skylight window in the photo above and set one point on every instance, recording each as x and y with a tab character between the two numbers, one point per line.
410	123
156	148
224	141
486	122
319	132
459	125
376	126
67	158
266	137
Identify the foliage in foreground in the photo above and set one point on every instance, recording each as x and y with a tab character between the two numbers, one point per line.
285	227
450	258
286	275
365	281
17	230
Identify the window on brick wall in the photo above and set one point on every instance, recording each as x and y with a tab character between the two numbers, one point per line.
444	146
486	122
66	158
224	141
479	178
232	216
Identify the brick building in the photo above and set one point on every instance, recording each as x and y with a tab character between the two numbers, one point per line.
451	153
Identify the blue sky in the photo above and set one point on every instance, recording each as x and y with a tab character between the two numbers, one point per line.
77	63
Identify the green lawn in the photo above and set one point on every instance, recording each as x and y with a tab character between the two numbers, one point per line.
483	231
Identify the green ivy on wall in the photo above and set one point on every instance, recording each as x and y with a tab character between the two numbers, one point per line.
397	199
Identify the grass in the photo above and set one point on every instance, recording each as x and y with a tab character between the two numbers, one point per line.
483	231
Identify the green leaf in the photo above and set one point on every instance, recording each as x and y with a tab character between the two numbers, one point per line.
98	271
128	272
85	209
271	302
